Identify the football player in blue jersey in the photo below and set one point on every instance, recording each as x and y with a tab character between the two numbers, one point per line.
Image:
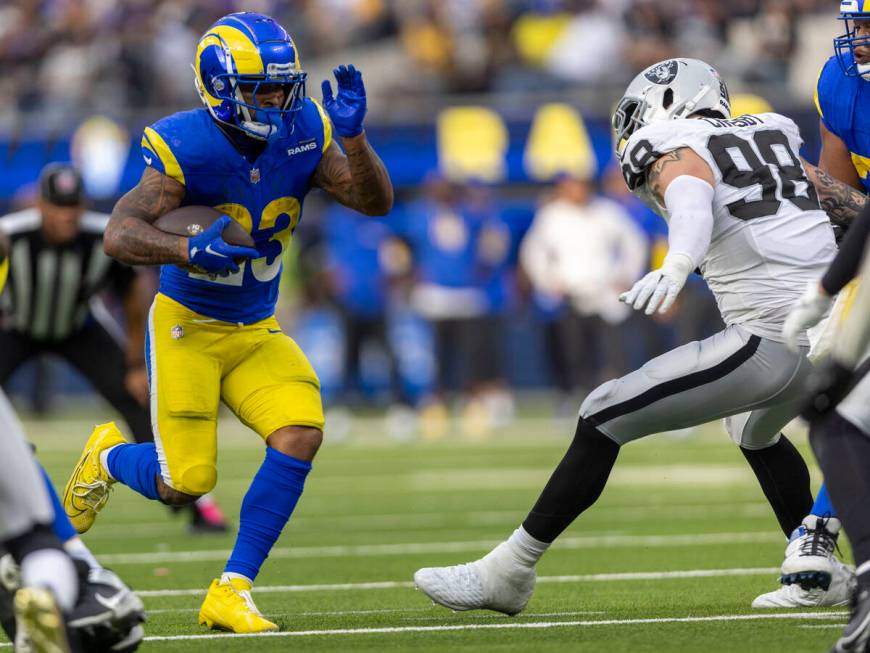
253	153
811	575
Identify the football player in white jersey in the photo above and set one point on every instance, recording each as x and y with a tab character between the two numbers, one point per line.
743	208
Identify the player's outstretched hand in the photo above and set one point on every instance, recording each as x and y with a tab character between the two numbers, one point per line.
807	312
210	252
348	107
659	289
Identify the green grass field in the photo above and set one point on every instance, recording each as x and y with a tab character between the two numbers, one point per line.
668	560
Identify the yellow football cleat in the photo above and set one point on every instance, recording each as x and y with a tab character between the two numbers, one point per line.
87	490
229	606
39	623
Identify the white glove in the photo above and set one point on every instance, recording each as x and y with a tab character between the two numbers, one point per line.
659	288
807	312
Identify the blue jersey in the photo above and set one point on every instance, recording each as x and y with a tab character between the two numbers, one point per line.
839	100
265	197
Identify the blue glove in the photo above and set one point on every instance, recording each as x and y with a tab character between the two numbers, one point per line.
208	251
348	108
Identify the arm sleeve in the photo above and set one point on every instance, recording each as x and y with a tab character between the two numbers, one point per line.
689	202
845	265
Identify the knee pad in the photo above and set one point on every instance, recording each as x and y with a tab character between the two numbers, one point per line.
197	480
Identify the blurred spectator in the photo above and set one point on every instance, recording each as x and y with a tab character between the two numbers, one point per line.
776	29
459	244
63	58
581	251
359	271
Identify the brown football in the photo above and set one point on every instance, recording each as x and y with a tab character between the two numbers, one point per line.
193	220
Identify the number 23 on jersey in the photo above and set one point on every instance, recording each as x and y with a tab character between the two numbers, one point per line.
278	221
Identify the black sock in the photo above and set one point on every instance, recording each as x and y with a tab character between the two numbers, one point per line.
785	480
575	484
843	451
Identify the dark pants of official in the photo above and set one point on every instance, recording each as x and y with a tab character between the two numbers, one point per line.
94	353
584	351
468	352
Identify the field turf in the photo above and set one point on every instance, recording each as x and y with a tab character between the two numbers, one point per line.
669	559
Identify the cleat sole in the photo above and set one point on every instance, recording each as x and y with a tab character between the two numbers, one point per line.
808	579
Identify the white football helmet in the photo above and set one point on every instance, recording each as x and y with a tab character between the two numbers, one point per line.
670	89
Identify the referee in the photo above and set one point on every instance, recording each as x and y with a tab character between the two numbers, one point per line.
51	305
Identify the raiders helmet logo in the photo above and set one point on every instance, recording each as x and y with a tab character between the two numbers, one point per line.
662	73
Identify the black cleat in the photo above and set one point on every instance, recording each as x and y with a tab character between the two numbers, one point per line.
856	636
108	614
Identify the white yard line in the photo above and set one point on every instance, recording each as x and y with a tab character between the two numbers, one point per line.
371	550
397	584
507	626
398	630
327	613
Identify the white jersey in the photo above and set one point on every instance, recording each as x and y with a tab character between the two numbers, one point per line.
770	238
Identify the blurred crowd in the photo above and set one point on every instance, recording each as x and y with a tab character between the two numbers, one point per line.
63	56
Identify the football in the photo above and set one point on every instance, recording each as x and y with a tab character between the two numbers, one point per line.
193	220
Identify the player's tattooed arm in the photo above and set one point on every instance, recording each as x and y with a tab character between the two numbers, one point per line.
676	163
357	177
129	236
839	200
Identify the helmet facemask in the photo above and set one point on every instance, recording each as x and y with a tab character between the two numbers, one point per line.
844	45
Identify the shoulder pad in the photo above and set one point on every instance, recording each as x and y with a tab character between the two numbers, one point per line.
825	93
313	121
177	143
653	141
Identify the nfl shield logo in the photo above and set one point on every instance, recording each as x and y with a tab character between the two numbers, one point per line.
177	332
255	175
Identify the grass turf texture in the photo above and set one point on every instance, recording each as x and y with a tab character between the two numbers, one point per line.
375	510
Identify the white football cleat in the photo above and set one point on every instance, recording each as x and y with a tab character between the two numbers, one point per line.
498	581
809	558
794	595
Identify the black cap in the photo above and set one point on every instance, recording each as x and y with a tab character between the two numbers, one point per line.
60	183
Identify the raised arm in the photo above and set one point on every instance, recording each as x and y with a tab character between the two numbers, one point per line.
356	177
359	179
839	200
129	236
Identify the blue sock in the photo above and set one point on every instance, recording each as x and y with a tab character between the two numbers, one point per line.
136	466
266	507
61	525
821	508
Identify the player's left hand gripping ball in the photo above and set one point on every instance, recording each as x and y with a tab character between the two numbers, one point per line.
347	108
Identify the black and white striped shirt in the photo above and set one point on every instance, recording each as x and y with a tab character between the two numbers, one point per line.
50	287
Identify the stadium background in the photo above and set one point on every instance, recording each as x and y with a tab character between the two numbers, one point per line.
496	101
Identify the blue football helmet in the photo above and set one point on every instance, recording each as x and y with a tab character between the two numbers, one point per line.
852	12
245	53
